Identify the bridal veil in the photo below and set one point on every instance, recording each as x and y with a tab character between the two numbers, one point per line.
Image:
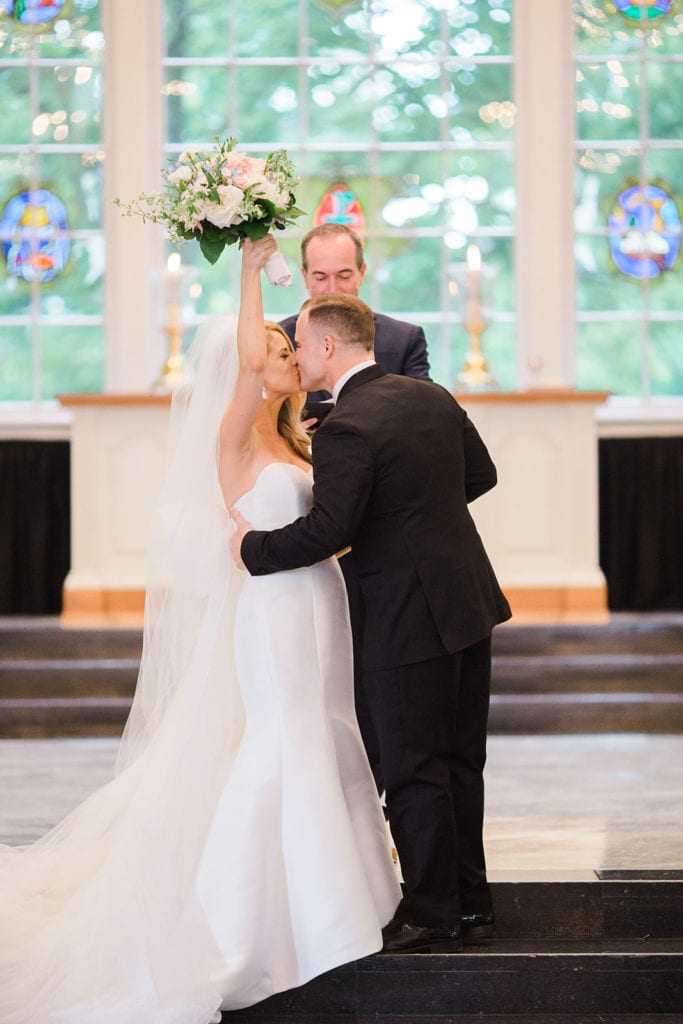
104	904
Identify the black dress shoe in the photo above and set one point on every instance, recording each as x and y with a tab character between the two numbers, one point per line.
478	927
412	938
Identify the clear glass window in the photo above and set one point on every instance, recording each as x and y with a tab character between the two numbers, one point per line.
408	104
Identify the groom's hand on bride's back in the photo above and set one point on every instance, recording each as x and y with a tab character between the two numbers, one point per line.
241	527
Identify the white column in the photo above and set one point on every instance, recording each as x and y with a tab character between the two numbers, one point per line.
133	133
544	97
118	457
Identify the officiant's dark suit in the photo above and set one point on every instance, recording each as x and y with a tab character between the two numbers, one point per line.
394	465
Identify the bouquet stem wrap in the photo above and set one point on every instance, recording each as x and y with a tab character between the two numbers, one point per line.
277	270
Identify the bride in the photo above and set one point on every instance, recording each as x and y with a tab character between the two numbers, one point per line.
240	849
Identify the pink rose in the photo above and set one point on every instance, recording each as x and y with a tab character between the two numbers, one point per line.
242	171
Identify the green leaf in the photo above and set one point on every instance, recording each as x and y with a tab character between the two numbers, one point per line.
268	207
211	246
255	229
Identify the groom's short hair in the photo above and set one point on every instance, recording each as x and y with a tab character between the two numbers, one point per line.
349	319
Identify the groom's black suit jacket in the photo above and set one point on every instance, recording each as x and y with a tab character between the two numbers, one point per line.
394	466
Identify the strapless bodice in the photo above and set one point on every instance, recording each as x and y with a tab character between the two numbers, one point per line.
281	493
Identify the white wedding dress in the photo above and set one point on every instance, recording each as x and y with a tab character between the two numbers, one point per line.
241	849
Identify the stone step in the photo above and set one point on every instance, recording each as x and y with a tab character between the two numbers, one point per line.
494	1018
589	952
46	639
586	713
45	679
630	634
623	676
63	716
450	988
467	1018
620	906
103	715
613	672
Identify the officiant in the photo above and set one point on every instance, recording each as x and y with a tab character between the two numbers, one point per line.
332	260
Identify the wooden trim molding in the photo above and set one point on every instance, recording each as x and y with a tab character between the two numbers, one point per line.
527	602
548	395
100	401
76	603
557	602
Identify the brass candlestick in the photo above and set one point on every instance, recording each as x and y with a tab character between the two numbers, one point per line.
475	374
172	374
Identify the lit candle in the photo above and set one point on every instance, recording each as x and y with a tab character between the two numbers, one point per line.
173	276
473	308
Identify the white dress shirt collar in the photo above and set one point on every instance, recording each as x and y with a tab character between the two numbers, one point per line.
348	375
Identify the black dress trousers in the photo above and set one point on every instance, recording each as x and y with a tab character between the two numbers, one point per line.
431	719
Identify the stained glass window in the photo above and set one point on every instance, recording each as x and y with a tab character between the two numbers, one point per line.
340	206
645	231
643	10
34	13
629	70
51	218
33	234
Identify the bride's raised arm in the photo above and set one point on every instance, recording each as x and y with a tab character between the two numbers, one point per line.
240	415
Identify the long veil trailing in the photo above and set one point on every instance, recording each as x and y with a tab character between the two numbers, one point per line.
104	907
189	565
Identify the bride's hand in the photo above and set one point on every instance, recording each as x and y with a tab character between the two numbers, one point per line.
255	255
242	527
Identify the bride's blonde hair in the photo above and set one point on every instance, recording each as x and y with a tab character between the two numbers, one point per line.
289	420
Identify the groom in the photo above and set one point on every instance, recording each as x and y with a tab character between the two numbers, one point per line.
394	466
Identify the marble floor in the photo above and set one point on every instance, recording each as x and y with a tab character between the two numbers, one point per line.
559	807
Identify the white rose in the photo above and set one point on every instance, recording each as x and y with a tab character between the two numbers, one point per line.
224	213
270	191
187	156
182	173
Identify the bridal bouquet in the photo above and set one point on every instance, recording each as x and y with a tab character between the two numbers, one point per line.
220	197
